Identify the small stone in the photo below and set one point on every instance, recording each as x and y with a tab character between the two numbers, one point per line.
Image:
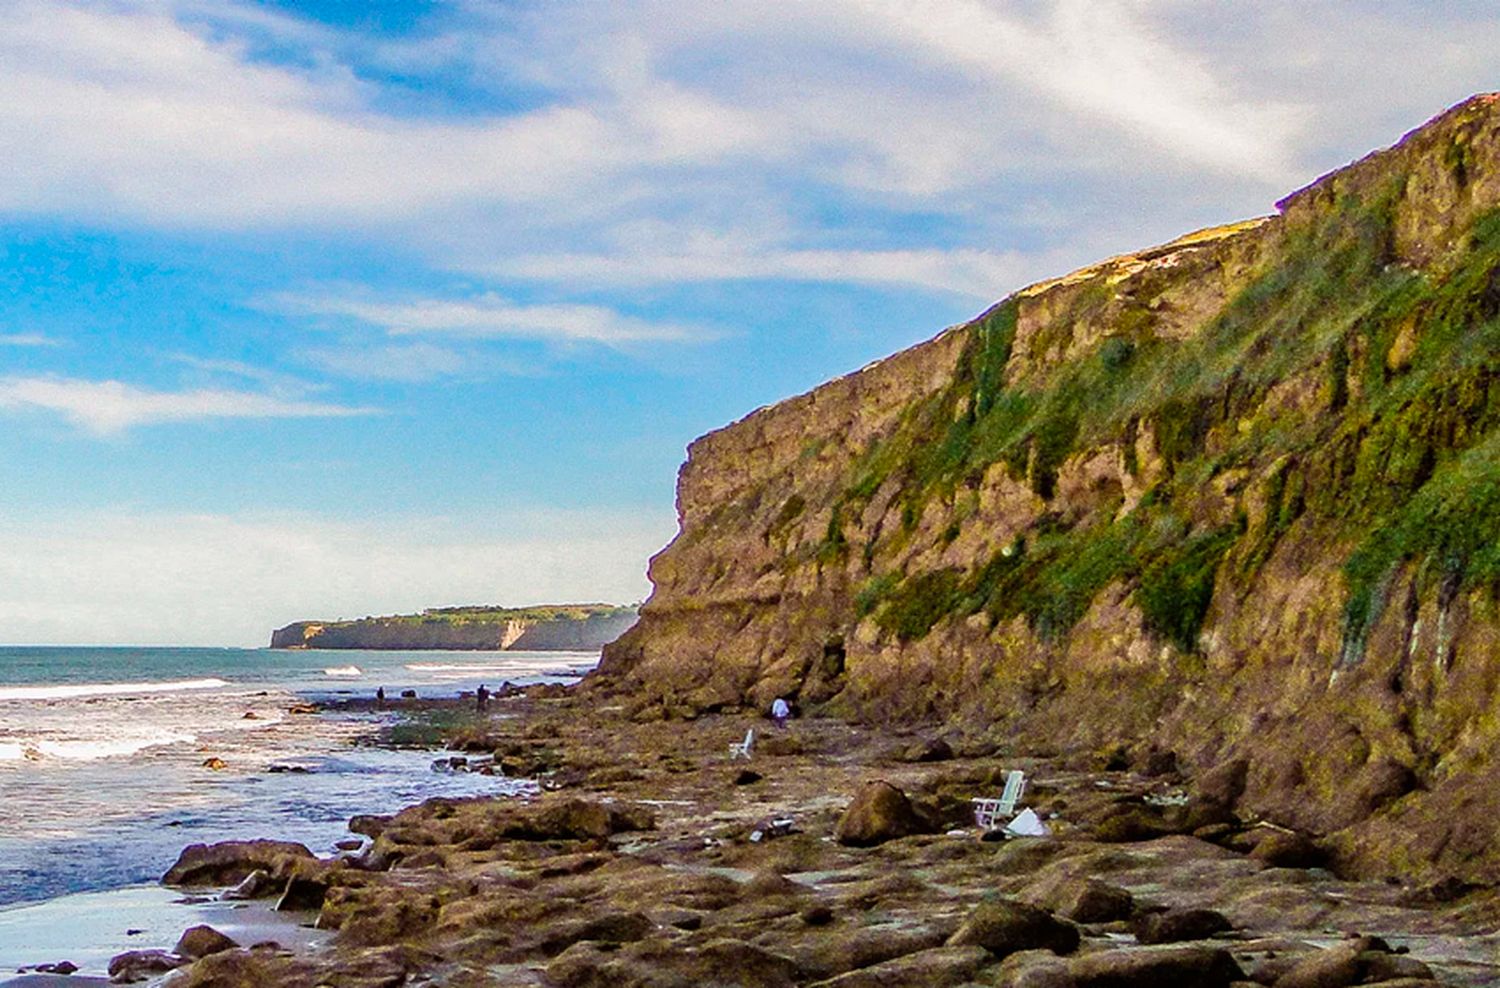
747	777
819	915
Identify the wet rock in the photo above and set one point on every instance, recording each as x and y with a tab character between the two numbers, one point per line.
1086	900
878	813
349	844
139	965
1334	967
849	948
1033	969
1005	926
747	777
938	967
228	862
1179	967
253	886
200	941
368	824
612	928
303	893
1175	925
1281	849
725	963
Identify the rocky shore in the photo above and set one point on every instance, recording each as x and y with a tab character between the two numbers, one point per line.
835	855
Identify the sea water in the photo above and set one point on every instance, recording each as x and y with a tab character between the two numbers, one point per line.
105	753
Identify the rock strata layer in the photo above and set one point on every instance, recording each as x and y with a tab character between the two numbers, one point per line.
1230	503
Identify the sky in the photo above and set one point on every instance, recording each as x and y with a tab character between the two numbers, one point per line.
326	309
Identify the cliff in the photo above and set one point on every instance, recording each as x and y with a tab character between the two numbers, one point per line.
1236	497
580	627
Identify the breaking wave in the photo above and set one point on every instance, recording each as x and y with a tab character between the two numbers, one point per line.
74	690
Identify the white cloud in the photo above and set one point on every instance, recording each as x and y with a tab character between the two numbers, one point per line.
28	340
490	316
108	407
120	577
393	362
978	274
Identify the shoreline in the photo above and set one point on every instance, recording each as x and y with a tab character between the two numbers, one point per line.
654	853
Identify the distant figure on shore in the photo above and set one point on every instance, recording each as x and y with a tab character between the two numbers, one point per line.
380	698
481	698
780	712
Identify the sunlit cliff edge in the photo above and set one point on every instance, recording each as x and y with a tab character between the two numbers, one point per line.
1236	497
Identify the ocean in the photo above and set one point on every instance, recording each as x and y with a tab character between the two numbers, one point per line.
105	753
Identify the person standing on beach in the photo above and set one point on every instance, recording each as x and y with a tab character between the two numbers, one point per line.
482	697
780	712
380	698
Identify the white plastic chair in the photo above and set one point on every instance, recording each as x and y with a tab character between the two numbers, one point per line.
991	811
742	749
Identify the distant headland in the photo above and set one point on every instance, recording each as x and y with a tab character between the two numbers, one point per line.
546	627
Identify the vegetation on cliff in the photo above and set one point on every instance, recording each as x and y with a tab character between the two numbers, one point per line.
1237	495
543	626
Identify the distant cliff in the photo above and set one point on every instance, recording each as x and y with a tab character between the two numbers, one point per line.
563	627
1236	497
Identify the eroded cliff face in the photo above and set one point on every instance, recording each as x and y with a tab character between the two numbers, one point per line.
1237	496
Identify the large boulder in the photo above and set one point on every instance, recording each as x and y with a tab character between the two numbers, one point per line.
1006	926
228	862
1176	925
878	813
200	941
1083	900
141	965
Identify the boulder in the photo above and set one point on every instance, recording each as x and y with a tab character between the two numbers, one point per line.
939	967
1085	900
723	963
1179	967
368	824
1033	969
1175	925
1352	962
1283	849
200	941
139	965
878	813
228	862
1005	926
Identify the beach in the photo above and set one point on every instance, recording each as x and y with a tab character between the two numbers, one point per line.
112	760
653	855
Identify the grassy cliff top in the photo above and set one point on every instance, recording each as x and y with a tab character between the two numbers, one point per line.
490	614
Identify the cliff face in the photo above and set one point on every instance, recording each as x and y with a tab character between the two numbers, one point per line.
1237	496
569	629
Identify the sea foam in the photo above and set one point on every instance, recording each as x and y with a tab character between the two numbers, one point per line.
348	672
74	690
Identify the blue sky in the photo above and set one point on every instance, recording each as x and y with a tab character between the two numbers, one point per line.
326	309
